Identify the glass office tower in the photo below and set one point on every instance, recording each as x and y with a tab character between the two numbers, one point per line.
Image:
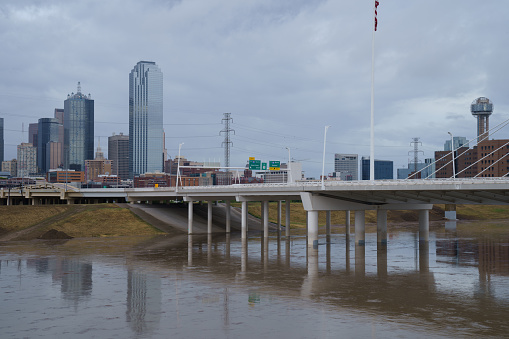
145	119
48	131
78	130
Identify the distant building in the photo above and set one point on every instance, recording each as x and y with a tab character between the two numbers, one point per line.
10	167
163	180
59	115
282	175
32	133
425	170
48	132
63	176
145	119
27	160
98	167
118	153
458	142
384	169
347	165
78	130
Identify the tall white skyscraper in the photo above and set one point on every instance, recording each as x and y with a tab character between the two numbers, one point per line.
145	119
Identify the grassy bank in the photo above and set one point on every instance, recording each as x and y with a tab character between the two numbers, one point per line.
298	215
30	222
74	220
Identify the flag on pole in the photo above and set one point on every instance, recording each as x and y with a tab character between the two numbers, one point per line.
376	20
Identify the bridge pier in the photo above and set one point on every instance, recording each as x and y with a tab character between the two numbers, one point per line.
190	216
360	227
287	218
381	227
424	225
328	223
244	220
209	217
347	223
312	224
265	218
279	218
228	216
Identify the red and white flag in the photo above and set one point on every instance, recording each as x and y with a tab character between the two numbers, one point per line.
376	20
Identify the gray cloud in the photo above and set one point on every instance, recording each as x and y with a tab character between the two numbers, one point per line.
284	69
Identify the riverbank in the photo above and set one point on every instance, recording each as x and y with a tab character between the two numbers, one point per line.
110	220
31	222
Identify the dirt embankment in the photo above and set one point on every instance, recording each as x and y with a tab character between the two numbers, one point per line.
57	222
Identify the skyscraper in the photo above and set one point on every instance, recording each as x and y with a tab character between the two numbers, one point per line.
118	153
78	130
48	131
145	118
1	140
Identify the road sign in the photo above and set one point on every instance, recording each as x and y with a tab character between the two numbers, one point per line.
255	165
264	166
275	165
251	158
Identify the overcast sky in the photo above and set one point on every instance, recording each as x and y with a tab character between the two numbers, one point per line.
283	68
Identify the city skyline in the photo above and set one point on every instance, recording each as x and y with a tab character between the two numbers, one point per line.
284	70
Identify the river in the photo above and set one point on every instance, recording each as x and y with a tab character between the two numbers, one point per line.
222	287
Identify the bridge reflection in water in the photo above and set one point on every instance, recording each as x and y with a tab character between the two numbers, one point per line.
432	282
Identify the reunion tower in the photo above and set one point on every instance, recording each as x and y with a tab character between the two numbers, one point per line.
482	108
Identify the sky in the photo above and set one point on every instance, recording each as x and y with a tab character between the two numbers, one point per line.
284	69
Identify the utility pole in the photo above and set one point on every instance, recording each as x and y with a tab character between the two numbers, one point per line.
227	142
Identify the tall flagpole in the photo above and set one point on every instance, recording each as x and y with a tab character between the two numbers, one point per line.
372	144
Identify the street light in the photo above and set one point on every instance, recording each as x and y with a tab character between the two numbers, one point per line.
323	161
452	154
289	177
178	170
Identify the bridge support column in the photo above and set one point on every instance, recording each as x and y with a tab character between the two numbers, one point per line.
424	225
450	211
70	201
279	218
287	218
265	219
262	206
347	222
381	227
228	216
360	227
190	217
209	217
327	222
244	220
312	222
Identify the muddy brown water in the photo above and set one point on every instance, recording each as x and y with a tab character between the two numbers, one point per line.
221	287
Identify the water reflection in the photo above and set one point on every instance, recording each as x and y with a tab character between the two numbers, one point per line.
449	285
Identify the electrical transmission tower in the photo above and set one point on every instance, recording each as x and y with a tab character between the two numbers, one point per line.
416	142
227	119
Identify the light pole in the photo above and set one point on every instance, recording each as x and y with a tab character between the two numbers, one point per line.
452	154
289	177
178	170
323	161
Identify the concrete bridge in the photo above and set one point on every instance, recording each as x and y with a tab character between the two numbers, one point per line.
357	196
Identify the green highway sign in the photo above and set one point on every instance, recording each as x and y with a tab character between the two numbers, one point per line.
255	165
264	166
274	165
